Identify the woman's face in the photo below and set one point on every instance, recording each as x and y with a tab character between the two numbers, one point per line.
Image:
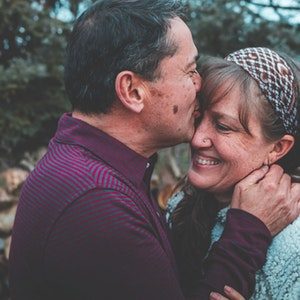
222	151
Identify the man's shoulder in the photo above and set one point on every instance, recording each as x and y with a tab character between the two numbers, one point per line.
67	175
77	167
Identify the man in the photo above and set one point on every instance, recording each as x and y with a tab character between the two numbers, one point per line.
86	226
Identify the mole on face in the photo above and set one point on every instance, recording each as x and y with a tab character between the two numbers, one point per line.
175	109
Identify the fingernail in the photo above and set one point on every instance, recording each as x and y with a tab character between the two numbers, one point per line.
214	296
227	289
265	168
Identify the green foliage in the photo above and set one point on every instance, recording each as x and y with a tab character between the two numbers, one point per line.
33	39
222	26
31	76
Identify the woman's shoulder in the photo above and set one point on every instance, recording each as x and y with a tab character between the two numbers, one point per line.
288	239
285	250
279	277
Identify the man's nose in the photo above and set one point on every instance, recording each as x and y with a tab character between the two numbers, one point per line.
198	82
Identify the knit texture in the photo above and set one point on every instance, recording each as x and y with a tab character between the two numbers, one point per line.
279	279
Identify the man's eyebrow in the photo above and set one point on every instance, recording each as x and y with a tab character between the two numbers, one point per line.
195	59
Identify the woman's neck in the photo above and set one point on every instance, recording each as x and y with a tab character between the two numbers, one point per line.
224	199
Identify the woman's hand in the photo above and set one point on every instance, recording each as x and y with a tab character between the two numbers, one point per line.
270	196
230	292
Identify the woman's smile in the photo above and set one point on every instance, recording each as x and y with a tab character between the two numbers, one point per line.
200	160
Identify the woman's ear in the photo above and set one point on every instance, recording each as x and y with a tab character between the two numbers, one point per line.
281	148
130	90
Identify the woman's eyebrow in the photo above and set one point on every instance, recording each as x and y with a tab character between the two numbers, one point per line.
224	115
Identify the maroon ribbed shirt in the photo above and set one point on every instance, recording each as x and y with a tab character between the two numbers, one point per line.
87	228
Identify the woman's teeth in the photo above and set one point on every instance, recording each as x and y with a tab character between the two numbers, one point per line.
207	161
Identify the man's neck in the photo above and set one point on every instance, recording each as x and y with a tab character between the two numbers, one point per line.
124	129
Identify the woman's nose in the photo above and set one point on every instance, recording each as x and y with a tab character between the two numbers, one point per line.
201	137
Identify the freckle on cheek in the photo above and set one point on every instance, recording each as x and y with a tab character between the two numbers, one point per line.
175	109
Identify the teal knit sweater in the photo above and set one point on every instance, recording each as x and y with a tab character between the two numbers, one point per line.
279	279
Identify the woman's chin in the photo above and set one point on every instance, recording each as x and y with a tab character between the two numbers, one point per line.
208	183
199	181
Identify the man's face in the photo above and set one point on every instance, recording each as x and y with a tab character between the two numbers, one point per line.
170	111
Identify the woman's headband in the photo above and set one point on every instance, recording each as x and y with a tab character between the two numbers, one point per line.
276	80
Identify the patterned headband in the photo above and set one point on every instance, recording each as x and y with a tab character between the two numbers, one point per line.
276	80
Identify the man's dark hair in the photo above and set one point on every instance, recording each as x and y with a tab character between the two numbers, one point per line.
112	36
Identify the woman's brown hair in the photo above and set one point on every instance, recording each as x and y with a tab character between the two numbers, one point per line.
194	217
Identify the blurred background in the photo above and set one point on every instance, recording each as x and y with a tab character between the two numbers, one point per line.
33	35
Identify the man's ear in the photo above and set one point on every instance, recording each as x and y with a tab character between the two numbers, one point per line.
281	148
130	90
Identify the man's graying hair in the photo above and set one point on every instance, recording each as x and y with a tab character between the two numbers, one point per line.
112	36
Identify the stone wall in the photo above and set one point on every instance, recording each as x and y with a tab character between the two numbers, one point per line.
11	181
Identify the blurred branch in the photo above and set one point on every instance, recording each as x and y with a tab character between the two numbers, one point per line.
271	5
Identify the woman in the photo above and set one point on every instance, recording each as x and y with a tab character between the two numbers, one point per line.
251	118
